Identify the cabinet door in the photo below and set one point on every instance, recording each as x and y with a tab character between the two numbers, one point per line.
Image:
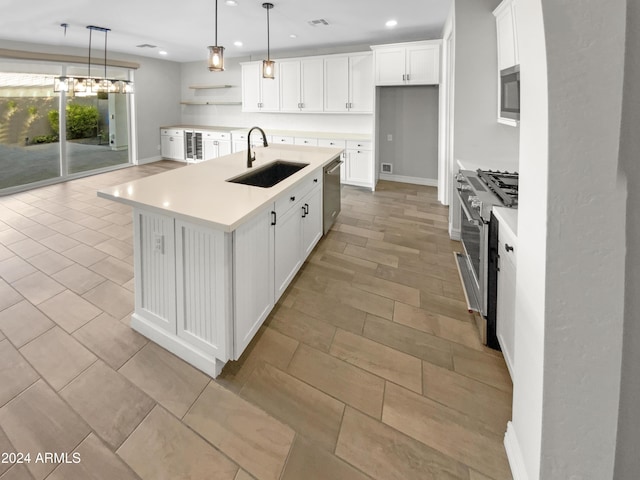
506	301
423	65
209	149
505	35
361	86
290	86
336	84
390	66
311	221
251	83
224	147
359	167
288	247
165	146
253	277
270	93
177	151
312	85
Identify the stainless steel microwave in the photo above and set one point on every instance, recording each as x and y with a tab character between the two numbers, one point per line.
510	93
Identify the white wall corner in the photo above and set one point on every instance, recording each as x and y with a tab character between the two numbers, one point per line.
514	454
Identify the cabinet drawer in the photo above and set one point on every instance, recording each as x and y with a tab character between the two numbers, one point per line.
216	135
313	142
171	131
282	140
297	193
329	142
358	145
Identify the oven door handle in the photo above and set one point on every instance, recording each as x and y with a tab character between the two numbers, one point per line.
474	221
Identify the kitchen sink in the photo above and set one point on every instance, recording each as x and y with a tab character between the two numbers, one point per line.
269	175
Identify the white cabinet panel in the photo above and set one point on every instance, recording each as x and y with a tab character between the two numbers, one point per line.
390	66
312	86
423	65
154	255
361	87
253	277
172	144
289	86
348	83
201	288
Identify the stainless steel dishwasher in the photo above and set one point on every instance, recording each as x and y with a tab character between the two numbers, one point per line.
331	193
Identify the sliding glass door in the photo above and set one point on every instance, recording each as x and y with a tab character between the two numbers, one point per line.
29	144
95	127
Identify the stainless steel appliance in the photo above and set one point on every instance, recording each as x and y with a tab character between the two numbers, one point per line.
331	193
510	93
479	191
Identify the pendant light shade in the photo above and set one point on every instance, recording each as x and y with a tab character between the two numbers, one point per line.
216	52
268	65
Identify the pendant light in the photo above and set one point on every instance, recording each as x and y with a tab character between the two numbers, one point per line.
83	85
268	65
216	53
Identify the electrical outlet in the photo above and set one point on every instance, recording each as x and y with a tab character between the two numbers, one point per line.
158	243
389	138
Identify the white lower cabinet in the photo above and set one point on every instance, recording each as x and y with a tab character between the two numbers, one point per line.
506	301
215	144
172	144
202	293
359	164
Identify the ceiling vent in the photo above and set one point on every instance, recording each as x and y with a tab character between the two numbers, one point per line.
146	45
320	21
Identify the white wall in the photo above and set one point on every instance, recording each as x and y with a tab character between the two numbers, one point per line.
627	458
197	73
571	238
478	137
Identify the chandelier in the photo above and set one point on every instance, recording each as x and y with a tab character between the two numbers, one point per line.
92	84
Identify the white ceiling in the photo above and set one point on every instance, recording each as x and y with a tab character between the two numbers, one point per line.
185	28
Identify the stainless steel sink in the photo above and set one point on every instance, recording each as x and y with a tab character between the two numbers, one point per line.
269	175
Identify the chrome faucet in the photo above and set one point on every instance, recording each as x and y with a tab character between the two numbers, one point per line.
251	158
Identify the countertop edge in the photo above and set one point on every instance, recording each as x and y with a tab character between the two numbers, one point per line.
507	217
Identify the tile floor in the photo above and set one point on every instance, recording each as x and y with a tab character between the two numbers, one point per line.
369	367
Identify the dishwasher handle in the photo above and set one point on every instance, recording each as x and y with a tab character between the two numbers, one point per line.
337	166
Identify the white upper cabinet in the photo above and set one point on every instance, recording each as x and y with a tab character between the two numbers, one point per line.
259	94
301	86
348	83
331	83
415	63
507	34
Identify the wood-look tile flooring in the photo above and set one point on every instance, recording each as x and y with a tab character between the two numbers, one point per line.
369	367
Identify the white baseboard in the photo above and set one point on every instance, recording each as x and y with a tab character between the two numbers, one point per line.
514	455
144	161
430	182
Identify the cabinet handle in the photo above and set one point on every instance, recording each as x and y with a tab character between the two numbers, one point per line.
293	199
273	217
508	247
171	139
306	208
408	77
351	105
304	212
404	77
346	105
315	180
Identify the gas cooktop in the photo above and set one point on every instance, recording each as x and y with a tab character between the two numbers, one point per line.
503	184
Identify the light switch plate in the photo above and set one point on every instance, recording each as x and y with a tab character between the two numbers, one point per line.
158	243
389	138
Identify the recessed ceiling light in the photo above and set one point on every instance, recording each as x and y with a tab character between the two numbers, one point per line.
391	23
238	43
231	3
162	52
293	35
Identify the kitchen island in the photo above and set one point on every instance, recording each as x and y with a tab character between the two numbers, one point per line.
212	257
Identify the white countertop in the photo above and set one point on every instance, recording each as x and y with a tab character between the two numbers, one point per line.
507	217
501	165
199	193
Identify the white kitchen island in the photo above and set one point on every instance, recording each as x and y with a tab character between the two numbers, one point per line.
212	257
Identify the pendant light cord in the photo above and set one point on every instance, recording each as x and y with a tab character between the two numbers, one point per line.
106	32
268	35
216	23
